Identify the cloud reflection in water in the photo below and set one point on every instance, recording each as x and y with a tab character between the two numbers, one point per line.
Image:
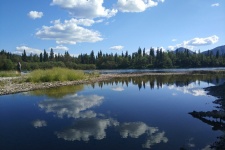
155	139
118	89
137	129
39	123
87	124
190	89
74	106
86	128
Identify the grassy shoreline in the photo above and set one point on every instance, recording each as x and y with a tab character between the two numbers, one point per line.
10	85
55	74
9	74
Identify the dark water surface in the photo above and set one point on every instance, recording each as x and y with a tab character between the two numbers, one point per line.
148	112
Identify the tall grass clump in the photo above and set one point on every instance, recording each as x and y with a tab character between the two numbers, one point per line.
55	74
9	74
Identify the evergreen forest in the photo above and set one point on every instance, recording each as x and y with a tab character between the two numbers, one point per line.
154	58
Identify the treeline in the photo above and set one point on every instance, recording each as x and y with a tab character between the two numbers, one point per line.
154	58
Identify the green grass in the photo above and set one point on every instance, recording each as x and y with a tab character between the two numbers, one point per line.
55	74
9	74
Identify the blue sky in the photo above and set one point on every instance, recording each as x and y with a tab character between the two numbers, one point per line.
113	26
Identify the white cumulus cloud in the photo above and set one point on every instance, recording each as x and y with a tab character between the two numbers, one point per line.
81	22
35	14
59	48
29	50
174	47
174	40
215	5
190	44
117	47
69	32
136	5
203	41
85	8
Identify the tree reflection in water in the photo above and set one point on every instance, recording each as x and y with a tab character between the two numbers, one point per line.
89	124
157	81
215	118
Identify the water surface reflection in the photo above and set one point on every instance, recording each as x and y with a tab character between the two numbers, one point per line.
39	123
83	129
216	117
123	113
89	124
75	106
160	80
137	129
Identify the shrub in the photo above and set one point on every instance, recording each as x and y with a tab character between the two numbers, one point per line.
55	74
6	64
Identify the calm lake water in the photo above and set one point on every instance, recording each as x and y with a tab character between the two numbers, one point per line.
148	112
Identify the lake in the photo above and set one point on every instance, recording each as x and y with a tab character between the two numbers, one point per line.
150	112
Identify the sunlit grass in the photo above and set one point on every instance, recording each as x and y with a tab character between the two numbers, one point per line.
9	74
55	74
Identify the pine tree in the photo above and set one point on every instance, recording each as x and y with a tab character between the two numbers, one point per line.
51	57
92	57
45	56
152	53
143	52
126	54
139	51
217	54
24	56
41	57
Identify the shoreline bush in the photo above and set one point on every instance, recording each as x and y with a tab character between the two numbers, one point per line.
55	74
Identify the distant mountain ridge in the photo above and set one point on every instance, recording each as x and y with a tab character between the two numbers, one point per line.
182	49
220	49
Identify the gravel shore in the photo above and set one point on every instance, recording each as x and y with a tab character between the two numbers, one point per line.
11	85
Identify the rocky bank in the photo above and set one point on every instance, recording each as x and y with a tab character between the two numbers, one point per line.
11	85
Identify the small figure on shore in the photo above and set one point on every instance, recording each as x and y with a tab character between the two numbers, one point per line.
19	67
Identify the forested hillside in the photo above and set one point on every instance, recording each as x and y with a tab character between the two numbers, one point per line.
220	50
153	58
